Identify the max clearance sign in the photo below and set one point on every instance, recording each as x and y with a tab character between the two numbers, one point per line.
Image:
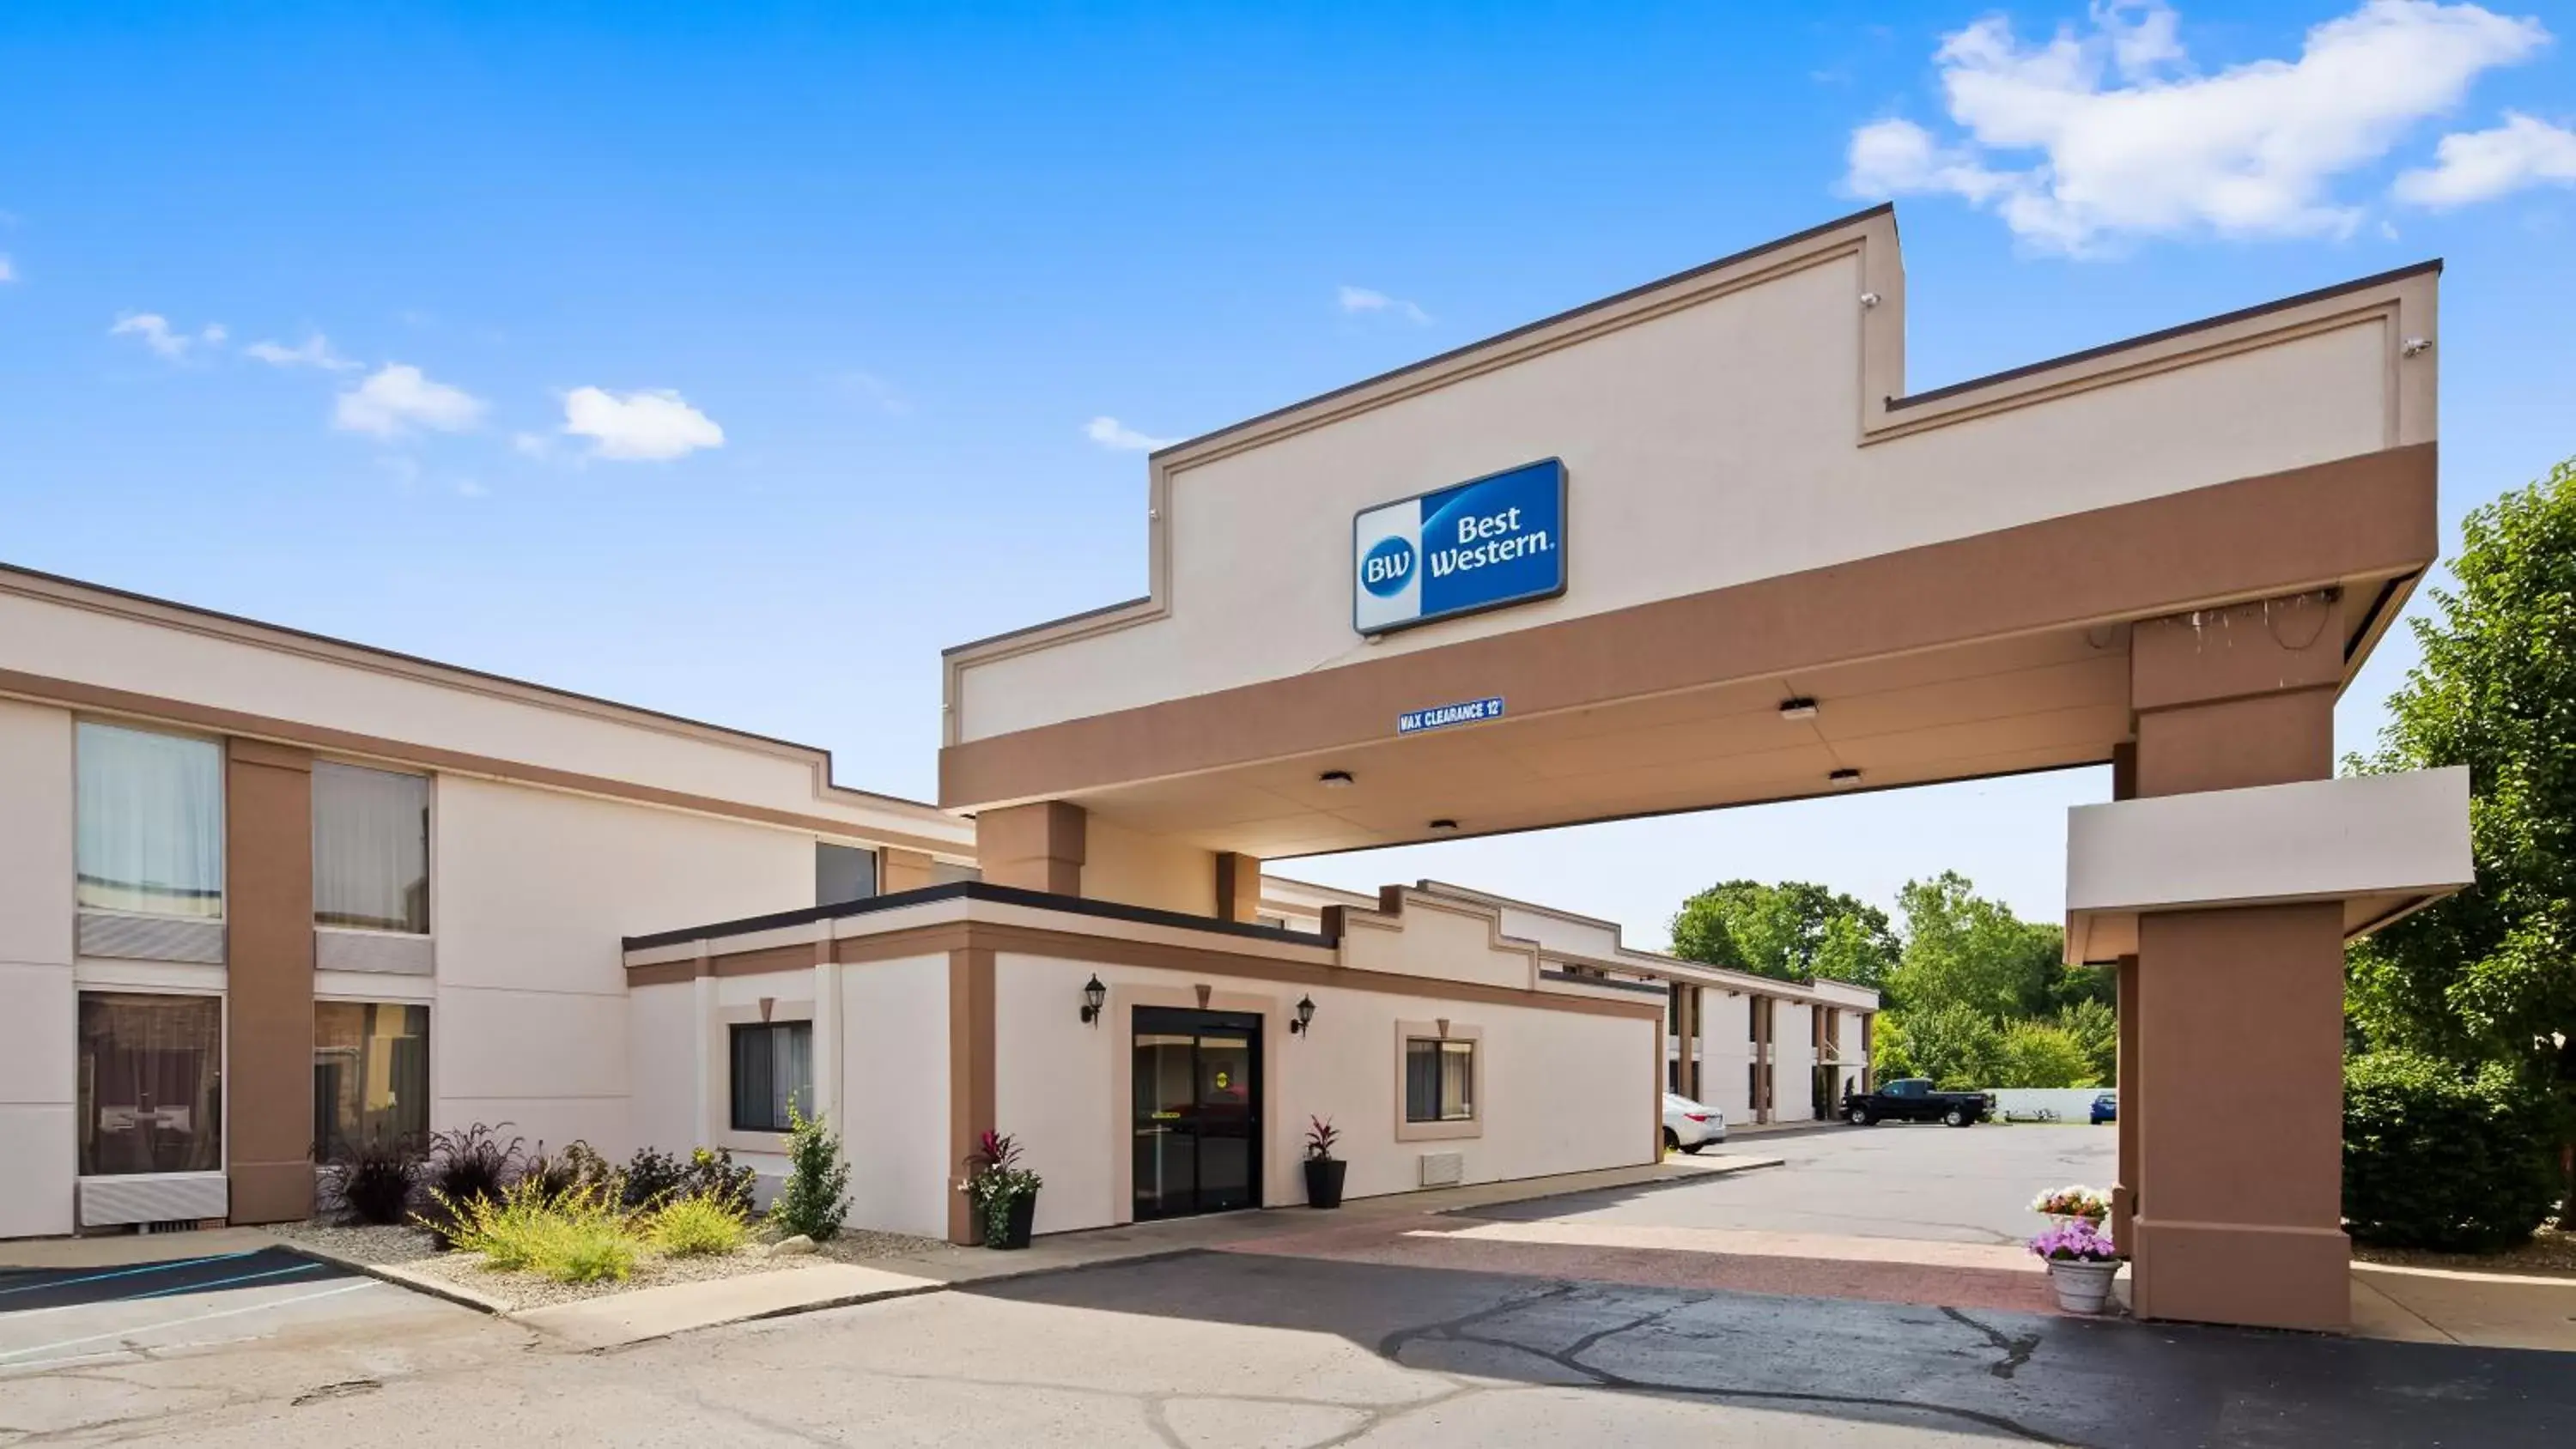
1482	544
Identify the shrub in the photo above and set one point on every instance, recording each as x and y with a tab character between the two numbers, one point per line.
466	1166
371	1181
2436	1156
816	1195
576	1236
574	1168
653	1175
690	1225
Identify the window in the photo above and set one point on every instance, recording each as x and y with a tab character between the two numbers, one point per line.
151	832
370	849
370	1074
151	1083
1439	1080
773	1064
843	873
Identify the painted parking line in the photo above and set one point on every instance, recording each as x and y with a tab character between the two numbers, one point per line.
10	1359
51	1282
51	1291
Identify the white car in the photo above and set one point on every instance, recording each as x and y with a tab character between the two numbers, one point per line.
1691	1125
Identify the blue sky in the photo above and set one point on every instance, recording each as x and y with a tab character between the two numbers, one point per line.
731	360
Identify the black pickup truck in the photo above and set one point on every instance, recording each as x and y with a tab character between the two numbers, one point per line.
1911	1099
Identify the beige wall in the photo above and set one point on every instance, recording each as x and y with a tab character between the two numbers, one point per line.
530	893
1750	402
1144	870
894	1093
161	652
1564	1091
1438	940
37	1014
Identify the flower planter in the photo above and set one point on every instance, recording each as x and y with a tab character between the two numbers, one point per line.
1018	1216
1324	1181
2082	1287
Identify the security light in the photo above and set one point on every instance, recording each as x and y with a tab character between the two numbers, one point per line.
1444	823
1334	779
1799	708
1845	778
1094	996
1305	1016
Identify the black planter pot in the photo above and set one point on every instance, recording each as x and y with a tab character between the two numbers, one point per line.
1015	1233
1324	1181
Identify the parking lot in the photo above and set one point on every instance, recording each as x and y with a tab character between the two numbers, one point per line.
1894	1180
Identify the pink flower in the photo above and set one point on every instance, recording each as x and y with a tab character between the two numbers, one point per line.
2075	1242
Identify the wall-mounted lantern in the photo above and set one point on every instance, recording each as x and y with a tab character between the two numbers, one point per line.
1305	1015
1094	996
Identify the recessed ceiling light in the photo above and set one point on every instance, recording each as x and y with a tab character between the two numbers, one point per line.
1799	708
1444	823
1334	779
1845	778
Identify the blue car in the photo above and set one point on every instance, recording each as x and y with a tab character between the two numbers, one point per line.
2106	1108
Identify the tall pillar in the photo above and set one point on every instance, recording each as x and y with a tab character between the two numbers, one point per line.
1762	1089
268	967
1035	847
2124	1192
2238	1011
1238	887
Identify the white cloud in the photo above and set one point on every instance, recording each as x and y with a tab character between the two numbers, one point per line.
2482	165
314	351
398	399
1356	300
157	333
2106	133
640	426
1111	433
8	273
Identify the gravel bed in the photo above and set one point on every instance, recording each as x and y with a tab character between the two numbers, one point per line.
414	1250
535	1290
383	1245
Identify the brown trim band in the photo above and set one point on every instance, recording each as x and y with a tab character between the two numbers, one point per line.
321	737
2360	517
952	937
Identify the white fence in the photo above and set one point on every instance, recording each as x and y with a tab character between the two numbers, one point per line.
2071	1104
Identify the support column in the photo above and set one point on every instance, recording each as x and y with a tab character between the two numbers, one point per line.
1034	847
1238	887
970	1076
2124	1192
268	967
1763	1094
2238	1012
902	870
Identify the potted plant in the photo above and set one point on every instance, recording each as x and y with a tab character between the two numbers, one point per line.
2064	1205
2081	1263
1324	1171
1003	1193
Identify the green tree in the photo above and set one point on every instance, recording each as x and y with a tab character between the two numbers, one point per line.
1956	1046
1964	950
1792	931
2095	1029
2040	1054
2490	973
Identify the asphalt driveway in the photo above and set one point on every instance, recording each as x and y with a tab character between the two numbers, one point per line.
1894	1180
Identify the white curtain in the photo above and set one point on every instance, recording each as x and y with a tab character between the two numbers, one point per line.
370	849
151	832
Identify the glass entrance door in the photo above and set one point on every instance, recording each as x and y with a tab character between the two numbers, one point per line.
1198	1111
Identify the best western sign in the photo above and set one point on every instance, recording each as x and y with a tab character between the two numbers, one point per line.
1479	545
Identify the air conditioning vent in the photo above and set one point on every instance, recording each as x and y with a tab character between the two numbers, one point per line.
1443	1169
375	951
153	1198
151	938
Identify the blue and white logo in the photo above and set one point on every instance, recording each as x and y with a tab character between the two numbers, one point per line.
1478	545
1388	568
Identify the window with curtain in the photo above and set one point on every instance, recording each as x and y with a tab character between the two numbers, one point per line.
150	837
151	1083
843	873
370	849
1439	1080
773	1064
370	1073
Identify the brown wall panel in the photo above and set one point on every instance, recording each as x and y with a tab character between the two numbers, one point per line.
268	908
